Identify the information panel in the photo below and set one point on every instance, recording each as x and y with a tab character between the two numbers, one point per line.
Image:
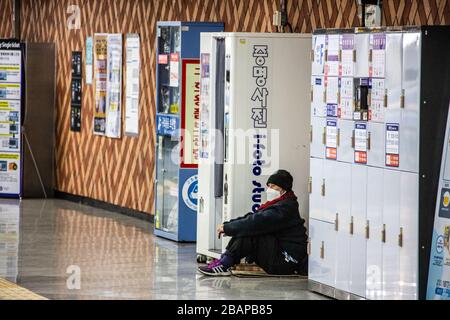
10	116
439	274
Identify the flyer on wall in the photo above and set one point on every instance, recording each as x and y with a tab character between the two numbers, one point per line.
132	85
439	272
10	115
100	77
89	45
114	86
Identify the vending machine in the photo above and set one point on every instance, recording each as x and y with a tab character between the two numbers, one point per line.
379	109
27	119
177	117
254	120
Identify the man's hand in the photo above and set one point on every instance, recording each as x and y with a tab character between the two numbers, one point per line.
220	231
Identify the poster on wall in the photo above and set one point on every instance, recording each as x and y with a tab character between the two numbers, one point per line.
89	60
100	78
439	272
10	117
76	92
114	87
190	113
132	85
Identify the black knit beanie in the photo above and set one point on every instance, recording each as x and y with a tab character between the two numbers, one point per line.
283	179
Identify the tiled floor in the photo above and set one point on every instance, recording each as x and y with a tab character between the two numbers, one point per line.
46	245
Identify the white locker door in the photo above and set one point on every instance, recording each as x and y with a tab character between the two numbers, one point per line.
409	236
357	230
332	63
318	104
374	281
334	175
376	146
362	47
391	225
346	98
318	65
343	208
394	58
332	90
345	151
322	252
411	112
316	199
318	127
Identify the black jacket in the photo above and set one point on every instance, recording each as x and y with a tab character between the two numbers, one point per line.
282	220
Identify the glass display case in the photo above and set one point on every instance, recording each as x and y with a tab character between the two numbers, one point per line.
176	185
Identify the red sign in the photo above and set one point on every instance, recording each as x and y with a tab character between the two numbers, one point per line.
331	153
163	59
393	160
361	157
190	113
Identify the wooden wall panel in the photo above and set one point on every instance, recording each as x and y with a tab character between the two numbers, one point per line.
6	22
121	172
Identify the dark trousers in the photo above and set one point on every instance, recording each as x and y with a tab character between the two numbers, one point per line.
266	252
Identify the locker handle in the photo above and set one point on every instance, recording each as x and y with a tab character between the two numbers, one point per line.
325	95
370	55
312	93
386	98
353	139
369	98
338	138
383	234
354	55
336	222
308	249
322	251
323	188
311	134
310	185
324	137
368	230
352	226
312	55
369	141
402	99
339	97
202	204
326	55
340	55
400	238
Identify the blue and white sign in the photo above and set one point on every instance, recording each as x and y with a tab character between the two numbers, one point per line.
190	193
439	274
167	125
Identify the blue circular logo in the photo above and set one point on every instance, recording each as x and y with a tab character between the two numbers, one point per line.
190	193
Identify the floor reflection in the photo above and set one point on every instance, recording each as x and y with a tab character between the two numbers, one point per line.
118	258
9	239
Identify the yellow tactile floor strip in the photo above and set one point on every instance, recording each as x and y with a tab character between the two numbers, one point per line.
11	291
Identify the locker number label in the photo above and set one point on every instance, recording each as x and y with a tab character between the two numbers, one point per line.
331	140
361	140
393	145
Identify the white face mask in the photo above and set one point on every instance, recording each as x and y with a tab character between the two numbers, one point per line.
272	194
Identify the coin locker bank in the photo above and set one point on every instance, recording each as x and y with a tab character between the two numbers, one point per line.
379	109
254	121
177	93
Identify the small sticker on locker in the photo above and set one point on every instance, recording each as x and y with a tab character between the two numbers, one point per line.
332	110
361	143
393	145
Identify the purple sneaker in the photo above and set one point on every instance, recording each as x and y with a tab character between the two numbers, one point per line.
215	269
